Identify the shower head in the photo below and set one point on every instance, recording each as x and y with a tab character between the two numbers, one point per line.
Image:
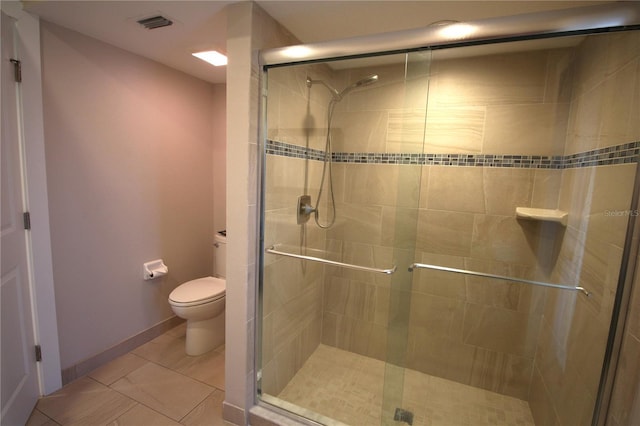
337	96
360	83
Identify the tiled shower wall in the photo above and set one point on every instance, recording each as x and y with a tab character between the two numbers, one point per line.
605	111
470	330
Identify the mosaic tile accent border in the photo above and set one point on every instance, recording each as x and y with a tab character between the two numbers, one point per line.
295	151
619	154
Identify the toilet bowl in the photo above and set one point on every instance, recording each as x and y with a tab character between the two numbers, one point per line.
202	303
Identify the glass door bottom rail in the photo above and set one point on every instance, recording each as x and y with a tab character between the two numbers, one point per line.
498	277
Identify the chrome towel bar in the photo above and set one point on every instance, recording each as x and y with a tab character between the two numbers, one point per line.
273	250
498	277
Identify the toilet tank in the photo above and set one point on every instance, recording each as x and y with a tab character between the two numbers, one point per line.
220	254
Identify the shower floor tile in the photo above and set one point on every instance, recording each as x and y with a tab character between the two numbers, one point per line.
347	387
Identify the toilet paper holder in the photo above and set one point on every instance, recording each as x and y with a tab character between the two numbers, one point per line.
154	269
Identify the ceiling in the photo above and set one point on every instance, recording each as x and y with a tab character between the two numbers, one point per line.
201	25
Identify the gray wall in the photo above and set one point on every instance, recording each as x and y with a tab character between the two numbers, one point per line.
130	168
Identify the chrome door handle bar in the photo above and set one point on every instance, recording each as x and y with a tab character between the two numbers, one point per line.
497	277
273	250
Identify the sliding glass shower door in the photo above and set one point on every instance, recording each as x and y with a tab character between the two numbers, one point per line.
521	231
341	197
444	231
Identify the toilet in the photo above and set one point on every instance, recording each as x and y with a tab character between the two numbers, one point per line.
201	302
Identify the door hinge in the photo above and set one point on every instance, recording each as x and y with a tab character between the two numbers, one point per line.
17	70
27	220
38	353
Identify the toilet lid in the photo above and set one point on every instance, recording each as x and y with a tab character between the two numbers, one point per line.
199	290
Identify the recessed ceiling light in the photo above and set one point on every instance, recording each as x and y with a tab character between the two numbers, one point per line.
214	58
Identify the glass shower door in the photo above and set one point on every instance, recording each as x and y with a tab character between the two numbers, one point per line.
332	288
525	198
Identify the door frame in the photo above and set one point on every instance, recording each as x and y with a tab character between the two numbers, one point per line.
27	36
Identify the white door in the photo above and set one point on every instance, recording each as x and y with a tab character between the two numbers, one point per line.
18	369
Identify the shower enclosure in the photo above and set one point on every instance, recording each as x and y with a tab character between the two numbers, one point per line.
473	208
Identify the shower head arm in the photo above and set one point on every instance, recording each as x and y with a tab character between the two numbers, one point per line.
334	92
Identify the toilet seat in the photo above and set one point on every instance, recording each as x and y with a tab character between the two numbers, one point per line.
198	292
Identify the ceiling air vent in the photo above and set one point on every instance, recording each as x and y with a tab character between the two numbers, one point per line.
155	22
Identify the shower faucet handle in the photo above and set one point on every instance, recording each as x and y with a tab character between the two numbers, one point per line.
304	209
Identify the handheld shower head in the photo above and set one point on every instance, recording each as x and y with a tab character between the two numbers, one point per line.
366	81
360	83
337	96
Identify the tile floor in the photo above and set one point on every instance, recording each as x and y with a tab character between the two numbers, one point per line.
156	384
348	387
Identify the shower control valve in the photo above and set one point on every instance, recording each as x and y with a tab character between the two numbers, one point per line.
304	209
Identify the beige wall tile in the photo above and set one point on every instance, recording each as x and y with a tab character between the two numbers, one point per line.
361	301
405	131
444	232
360	131
502	294
501	330
284	181
455	129
591	63
357	223
380	184
440	356
546	188
541	402
576	195
586	116
440	283
624	47
424	186
336	291
456	189
363	255
361	337
489	80
288	279
505	239
502	373
560	74
506	189
440	315
571	384
399	227
529	129
618	91
290	321
612	188
586	345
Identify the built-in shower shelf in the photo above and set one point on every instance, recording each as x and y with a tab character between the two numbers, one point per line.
546	215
